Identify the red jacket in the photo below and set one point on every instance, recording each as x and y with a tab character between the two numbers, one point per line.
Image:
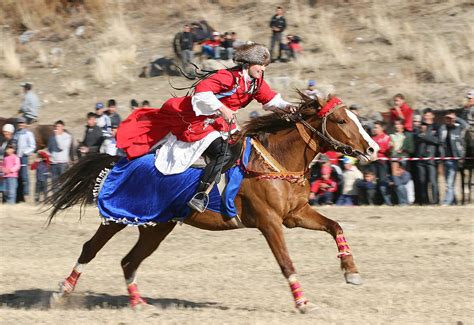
407	113
383	140
145	127
316	189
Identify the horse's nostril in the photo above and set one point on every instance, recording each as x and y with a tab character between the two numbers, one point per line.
370	150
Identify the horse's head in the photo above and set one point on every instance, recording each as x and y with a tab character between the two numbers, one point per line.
343	132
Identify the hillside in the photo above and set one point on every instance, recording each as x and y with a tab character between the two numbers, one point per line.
365	51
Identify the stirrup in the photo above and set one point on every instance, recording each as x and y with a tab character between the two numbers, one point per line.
199	201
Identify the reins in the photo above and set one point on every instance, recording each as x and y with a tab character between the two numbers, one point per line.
280	172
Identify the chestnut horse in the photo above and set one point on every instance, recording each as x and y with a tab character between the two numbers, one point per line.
274	192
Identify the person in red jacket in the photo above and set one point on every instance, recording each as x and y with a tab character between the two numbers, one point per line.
401	110
323	189
190	126
381	166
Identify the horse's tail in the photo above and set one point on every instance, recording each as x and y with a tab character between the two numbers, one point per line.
76	185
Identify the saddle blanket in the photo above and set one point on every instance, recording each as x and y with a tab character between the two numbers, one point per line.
136	193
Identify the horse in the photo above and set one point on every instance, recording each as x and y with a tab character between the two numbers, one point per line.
274	193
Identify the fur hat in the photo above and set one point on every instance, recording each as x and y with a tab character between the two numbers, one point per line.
252	54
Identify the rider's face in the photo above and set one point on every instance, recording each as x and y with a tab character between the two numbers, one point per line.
256	70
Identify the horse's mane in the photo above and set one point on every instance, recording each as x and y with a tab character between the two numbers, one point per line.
276	121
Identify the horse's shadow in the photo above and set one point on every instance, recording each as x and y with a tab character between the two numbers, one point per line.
40	299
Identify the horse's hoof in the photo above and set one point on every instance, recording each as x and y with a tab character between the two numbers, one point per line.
56	299
307	308
353	278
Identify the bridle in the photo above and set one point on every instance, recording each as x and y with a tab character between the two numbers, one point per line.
329	108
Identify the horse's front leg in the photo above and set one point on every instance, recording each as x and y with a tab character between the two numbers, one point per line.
274	235
308	218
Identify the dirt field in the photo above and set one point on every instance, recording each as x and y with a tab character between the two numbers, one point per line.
417	264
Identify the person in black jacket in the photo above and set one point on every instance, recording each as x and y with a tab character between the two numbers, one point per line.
426	146
186	44
278	25
93	137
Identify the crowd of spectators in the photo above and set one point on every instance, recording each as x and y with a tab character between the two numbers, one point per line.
411	154
221	46
18	147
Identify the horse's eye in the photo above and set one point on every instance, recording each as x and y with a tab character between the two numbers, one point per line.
341	122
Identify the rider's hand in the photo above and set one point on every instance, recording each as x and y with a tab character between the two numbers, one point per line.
290	109
227	114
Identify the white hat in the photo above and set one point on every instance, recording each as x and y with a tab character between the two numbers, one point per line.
8	128
216	34
470	94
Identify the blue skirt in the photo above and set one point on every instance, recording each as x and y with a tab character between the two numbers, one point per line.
136	193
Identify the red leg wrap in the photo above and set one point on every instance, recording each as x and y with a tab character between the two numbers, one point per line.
342	246
134	296
70	283
298	294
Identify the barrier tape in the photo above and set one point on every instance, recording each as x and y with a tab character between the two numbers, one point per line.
417	158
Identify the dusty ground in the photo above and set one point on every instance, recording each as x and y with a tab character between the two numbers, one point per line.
417	264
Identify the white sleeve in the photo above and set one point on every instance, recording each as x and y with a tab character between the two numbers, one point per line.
276	103
205	103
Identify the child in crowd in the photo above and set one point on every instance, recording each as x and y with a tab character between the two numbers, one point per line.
41	165
398	182
367	188
10	167
323	189
351	175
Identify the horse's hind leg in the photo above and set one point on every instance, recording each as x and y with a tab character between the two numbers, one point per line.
311	219
149	240
89	251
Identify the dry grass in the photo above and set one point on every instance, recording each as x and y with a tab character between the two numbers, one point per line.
331	37
9	59
74	87
110	65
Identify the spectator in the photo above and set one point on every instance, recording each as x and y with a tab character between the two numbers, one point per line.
10	167
401	110
25	146
103	120
416	121
186	45
93	136
398	182
468	112
134	104
6	138
30	104
228	45
42	166
311	91
426	146
212	48
145	104
323	189
235	41
367	188
112	112
351	176
293	46
451	145
380	167
401	142
278	25
59	146
109	146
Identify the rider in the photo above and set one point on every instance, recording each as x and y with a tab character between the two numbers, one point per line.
196	125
